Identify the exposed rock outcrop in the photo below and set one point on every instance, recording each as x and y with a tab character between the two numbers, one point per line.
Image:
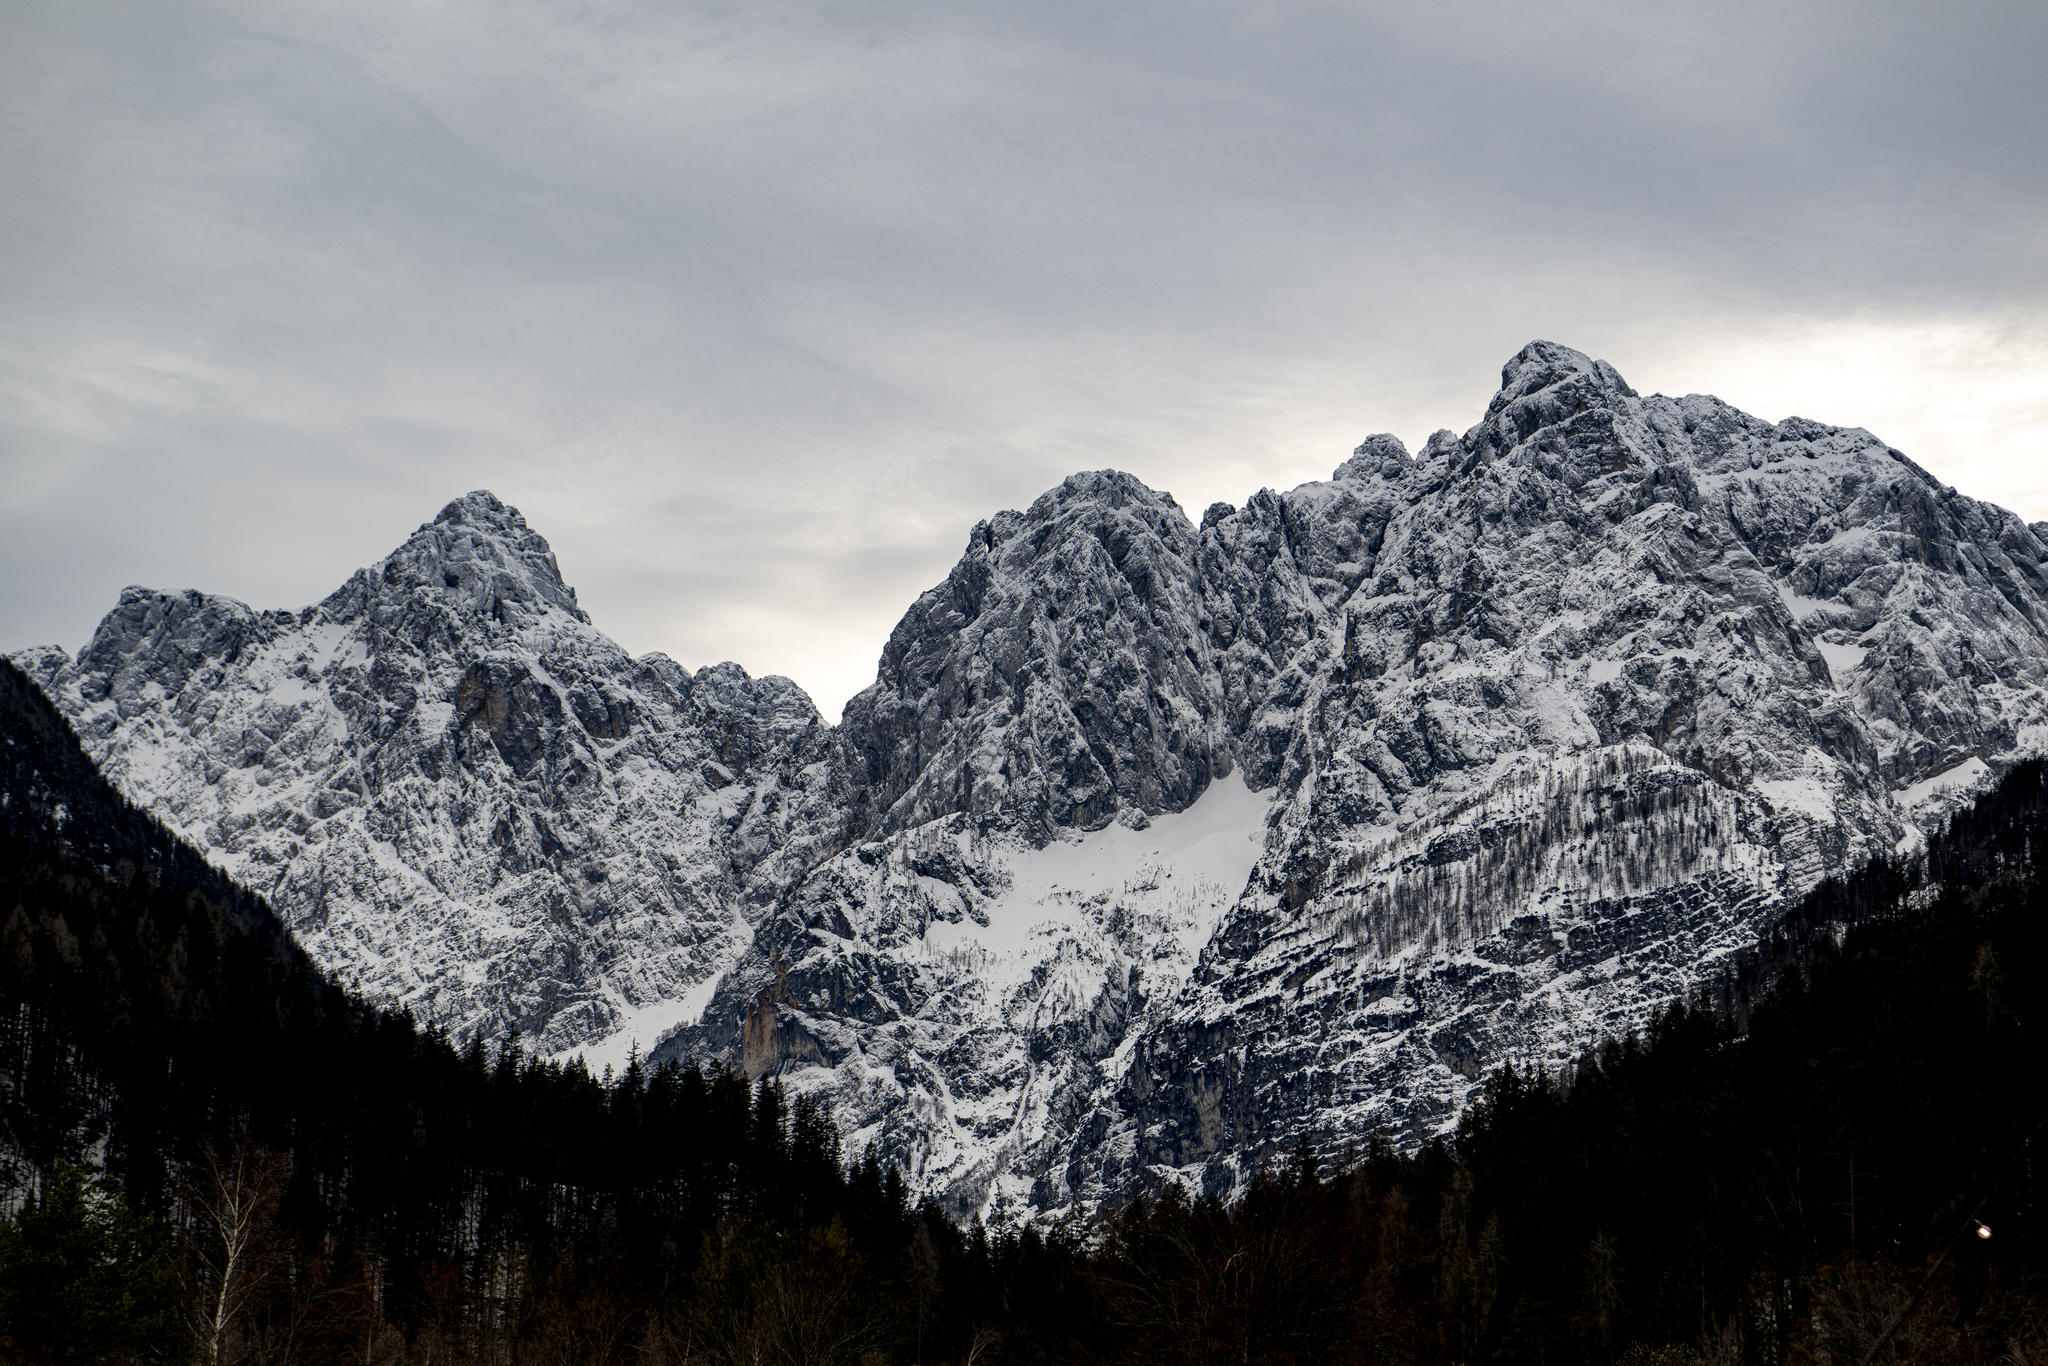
461	795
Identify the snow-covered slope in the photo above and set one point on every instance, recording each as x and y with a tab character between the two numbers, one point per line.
963	1000
460	794
1155	844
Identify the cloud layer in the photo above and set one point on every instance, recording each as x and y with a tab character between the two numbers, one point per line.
754	310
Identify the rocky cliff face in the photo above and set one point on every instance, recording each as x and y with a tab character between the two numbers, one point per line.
1155	845
459	794
1552	717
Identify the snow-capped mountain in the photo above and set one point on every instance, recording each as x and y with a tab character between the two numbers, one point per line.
1617	677
458	793
1155	845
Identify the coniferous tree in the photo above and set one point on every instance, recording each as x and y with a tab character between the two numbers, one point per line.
85	1279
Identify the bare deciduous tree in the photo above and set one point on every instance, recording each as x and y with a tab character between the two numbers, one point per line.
766	1298
985	1339
1600	1305
230	1201
1864	1309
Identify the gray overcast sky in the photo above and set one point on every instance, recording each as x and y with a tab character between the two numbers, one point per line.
754	309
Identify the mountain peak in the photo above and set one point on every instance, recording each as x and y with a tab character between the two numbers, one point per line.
480	507
1542	384
1382	453
477	556
1542	364
1111	488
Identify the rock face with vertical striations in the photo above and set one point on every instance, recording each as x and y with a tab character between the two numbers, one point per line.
1156	845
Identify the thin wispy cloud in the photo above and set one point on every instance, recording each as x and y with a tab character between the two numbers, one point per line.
755	310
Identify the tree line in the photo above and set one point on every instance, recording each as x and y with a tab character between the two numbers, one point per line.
214	1153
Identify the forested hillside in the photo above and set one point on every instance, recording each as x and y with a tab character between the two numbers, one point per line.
409	1200
215	1153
